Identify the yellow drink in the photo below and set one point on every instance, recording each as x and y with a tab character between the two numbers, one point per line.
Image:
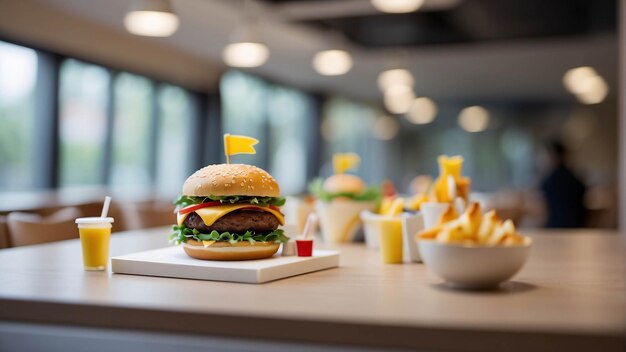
391	240
94	239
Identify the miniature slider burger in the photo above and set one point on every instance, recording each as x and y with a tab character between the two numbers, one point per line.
229	212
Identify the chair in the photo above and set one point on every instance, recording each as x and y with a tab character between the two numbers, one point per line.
27	229
4	232
150	214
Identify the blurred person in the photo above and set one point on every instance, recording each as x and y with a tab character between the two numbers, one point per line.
563	191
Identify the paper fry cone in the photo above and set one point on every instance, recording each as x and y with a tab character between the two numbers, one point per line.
340	219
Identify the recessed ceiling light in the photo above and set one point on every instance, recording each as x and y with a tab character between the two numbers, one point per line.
395	77
596	90
422	111
474	119
397	6
245	54
332	62
398	99
152	18
574	79
587	84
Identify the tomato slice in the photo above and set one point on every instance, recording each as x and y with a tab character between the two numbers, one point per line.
275	208
195	207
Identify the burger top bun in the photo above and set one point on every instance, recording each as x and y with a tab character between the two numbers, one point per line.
344	183
231	180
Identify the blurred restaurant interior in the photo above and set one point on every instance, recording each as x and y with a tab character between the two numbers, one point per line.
86	105
95	101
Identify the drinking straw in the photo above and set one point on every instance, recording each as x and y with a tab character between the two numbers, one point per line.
451	187
310	226
105	207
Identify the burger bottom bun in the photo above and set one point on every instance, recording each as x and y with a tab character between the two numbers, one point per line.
243	250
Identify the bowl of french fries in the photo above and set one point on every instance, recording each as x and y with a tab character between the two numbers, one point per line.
473	250
390	207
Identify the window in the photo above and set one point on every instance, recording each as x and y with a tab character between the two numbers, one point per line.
18	73
174	142
347	127
82	123
291	125
243	108
279	117
131	130
118	130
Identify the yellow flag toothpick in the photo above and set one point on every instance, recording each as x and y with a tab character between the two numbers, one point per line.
234	144
343	162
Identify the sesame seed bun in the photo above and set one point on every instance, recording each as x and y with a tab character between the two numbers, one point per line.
231	180
344	183
243	250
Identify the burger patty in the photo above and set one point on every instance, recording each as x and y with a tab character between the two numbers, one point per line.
238	221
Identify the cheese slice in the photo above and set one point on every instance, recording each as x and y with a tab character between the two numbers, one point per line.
211	214
207	243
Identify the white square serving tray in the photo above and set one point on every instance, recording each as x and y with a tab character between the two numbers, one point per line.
173	262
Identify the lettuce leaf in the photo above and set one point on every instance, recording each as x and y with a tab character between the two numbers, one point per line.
370	194
183	233
185	201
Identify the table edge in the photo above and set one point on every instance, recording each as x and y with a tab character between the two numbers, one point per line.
300	330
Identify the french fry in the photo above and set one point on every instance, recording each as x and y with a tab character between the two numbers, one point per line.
463	187
465	226
415	203
501	232
449	215
475	218
489	222
396	207
514	240
386	204
430	233
472	227
451	232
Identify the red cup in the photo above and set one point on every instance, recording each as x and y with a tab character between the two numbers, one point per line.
304	247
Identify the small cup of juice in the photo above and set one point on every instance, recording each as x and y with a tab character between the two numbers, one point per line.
94	238
390	232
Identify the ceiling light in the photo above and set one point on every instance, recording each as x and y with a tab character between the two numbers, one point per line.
332	62
574	79
474	119
585	82
245	54
423	110
596	90
397	6
153	18
398	99
395	77
385	128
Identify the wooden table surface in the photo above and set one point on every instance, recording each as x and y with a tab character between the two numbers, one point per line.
570	295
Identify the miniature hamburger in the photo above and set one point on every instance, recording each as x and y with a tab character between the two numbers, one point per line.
229	212
340	200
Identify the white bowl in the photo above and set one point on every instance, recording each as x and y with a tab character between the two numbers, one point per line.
472	266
